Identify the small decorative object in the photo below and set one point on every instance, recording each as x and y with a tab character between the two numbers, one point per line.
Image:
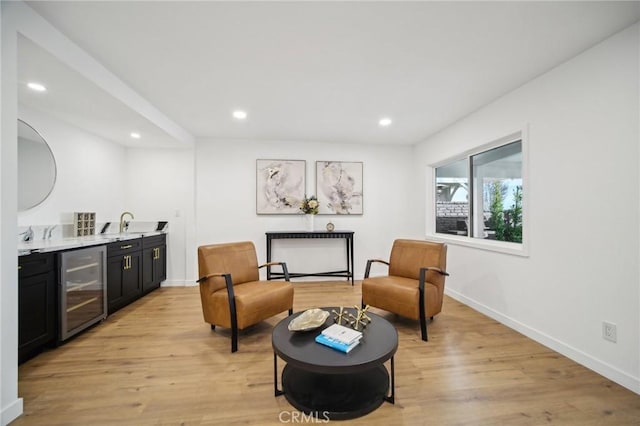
340	317
309	222
330	227
309	320
360	319
84	223
309	206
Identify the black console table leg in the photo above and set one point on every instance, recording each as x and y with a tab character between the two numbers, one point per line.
268	257
350	254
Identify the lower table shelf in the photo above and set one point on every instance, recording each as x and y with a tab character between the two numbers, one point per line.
335	396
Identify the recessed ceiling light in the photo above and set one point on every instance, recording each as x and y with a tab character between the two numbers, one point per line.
239	114
135	135
36	86
384	122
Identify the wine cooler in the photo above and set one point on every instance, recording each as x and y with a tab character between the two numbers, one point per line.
83	289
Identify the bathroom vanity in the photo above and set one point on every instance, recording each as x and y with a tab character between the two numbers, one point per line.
65	286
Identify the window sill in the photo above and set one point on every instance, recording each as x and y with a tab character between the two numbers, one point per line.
489	245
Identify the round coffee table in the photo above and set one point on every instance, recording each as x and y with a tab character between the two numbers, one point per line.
327	383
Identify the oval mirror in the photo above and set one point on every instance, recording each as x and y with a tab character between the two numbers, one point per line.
36	167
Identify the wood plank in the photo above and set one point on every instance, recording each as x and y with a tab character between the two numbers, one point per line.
157	362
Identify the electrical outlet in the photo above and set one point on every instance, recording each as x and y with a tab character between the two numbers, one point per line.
609	331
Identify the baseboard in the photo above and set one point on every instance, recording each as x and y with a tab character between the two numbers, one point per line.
11	411
582	358
177	283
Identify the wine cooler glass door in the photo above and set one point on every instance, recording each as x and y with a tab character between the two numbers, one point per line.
83	289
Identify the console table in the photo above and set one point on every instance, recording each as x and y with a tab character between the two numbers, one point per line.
346	235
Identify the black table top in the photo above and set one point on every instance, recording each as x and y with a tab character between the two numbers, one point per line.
378	344
308	234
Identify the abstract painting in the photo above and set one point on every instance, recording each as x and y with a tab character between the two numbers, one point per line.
339	187
280	186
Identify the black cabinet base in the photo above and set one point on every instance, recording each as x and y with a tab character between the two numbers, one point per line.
335	396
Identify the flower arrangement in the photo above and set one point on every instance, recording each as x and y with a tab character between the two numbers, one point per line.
309	205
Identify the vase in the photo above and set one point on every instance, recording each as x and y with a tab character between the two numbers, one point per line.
309	221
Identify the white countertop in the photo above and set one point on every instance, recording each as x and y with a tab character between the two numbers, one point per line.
44	246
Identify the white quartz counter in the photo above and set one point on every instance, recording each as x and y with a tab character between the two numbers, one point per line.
43	246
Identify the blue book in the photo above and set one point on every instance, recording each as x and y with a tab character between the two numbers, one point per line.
334	344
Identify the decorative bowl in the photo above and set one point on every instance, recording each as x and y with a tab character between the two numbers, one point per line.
309	320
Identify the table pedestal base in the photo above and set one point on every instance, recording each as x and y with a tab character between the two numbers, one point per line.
335	396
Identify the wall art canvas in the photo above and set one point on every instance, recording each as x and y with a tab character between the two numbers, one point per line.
339	187
280	186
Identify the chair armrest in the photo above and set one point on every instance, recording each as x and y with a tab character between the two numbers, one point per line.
438	270
371	261
206	277
285	271
270	264
227	279
423	275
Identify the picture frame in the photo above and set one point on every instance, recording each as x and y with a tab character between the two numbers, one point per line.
339	187
280	186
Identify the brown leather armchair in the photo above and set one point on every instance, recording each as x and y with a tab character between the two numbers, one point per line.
231	291
414	286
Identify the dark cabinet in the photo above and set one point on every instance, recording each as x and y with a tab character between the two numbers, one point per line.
37	303
124	273
53	292
154	262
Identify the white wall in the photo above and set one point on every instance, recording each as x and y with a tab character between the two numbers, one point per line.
584	206
160	186
90	173
10	404
226	201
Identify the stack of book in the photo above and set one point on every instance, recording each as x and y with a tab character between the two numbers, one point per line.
339	337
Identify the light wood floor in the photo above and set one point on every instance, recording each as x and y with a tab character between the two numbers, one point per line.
157	363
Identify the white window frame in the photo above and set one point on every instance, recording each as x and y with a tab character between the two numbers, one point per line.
518	249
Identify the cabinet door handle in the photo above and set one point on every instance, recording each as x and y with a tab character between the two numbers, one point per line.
128	246
127	262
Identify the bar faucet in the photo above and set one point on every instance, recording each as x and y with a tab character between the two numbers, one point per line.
27	235
50	231
123	224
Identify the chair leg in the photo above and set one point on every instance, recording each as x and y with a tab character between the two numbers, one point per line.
290	311
213	327
423	328
234	339
234	327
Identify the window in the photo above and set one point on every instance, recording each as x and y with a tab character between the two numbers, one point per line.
480	196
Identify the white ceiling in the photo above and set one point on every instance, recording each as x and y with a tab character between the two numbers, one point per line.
72	98
316	71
